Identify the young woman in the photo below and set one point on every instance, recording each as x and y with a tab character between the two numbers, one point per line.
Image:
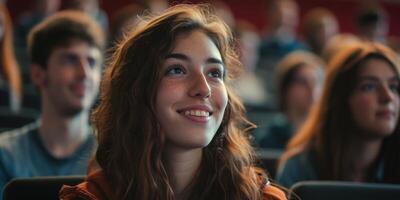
10	80
168	125
352	134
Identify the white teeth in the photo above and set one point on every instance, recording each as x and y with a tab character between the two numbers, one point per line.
198	113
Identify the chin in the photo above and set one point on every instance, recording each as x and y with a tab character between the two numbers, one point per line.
193	144
385	131
73	110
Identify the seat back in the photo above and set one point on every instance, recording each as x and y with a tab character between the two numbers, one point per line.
10	120
39	187
334	190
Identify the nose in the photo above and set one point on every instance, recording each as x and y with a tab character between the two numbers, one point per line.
83	68
386	95
200	88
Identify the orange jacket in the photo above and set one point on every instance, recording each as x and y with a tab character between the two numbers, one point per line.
96	188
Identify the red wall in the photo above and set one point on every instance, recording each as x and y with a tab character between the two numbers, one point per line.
253	10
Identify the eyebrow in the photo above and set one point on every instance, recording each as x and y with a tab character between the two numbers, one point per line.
373	78
186	58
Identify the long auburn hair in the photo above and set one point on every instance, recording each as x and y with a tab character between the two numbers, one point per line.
330	122
8	65
130	141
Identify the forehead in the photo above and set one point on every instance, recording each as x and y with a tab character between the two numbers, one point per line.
307	70
196	43
376	67
77	47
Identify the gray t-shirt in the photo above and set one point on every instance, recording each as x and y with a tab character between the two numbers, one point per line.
22	154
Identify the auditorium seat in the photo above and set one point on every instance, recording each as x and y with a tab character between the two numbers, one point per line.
43	188
334	190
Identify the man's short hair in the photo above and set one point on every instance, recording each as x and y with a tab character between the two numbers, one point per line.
60	30
370	17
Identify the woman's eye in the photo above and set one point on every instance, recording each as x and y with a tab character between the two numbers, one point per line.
175	70
368	87
394	87
216	73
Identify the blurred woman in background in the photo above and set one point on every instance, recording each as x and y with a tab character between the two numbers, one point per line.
299	78
353	132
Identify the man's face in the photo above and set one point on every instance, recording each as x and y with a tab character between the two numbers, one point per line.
70	83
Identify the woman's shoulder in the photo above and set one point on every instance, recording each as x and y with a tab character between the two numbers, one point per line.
272	192
95	187
296	167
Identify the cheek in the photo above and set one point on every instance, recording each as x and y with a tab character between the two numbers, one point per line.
299	93
61	77
396	102
95	81
168	93
362	107
220	97
362	102
54	79
96	75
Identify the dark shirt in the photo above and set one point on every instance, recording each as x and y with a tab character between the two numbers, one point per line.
278	134
303	166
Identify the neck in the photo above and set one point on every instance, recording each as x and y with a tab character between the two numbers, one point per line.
296	118
281	32
181	168
360	157
63	135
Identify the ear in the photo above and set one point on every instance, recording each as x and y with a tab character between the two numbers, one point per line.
37	74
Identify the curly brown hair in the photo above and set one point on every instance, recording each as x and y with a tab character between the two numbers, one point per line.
130	140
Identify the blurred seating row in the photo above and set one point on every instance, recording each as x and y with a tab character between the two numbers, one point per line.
47	188
334	190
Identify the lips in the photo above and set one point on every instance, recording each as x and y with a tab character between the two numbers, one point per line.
196	113
385	114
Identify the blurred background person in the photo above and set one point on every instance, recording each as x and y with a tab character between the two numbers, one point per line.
372	24
279	39
223	11
10	78
337	43
39	11
66	56
154	6
353	132
249	85
319	26
298	78
124	20
91	8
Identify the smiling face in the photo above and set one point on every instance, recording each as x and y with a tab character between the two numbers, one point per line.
192	97
374	102
71	81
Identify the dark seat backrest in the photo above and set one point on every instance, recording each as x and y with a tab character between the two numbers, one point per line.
10	120
42	188
334	190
